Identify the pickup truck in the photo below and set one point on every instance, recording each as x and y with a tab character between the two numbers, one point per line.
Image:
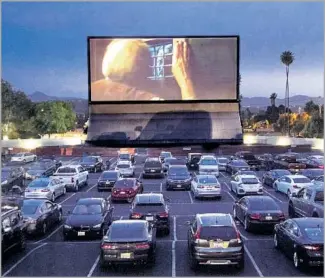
308	202
251	160
288	162
73	176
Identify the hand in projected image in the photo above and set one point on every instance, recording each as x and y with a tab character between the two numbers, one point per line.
181	68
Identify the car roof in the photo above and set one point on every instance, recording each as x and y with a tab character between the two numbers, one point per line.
109	171
149	198
127	181
90	201
248	176
215	219
6	209
208	156
45	179
165	152
202	176
129	222
295	176
317	187
152	159
177	166
259	198
34	201
308	222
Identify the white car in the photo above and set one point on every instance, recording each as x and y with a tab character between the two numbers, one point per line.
315	157
205	186
23	157
125	168
291	184
246	184
208	165
222	163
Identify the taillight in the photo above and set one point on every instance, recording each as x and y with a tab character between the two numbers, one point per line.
238	237
72	179
321	166
45	190
295	186
142	246
163	214
197	234
312	247
136	215
281	215
107	246
255	216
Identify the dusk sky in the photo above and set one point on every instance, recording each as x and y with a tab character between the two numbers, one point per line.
44	44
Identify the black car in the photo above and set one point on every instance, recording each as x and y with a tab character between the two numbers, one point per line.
172	161
11	176
107	180
41	169
151	207
128	241
266	160
213	239
108	164
152	168
314	163
178	177
193	160
164	155
250	159
235	165
12	229
92	163
302	240
271	176
51	158
89	218
40	215
311	173
257	212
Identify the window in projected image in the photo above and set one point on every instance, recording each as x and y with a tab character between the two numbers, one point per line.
161	61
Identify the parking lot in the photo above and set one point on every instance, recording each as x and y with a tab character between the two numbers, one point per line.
52	256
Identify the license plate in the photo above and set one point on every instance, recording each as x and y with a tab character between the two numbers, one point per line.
192	164
150	218
179	186
81	233
268	218
126	255
107	182
223	244
152	171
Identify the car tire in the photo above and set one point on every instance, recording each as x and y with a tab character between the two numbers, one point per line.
234	213
291	211
129	200
99	190
193	262
44	229
288	193
22	242
53	198
24	160
167	231
64	191
247	225
65	237
60	216
76	188
241	264
34	159
296	260
276	241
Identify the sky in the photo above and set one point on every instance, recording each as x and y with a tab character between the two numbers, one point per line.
44	46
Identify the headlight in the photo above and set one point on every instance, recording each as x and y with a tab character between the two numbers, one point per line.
67	226
4	182
97	226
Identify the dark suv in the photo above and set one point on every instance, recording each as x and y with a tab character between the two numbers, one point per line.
213	239
12	229
153	168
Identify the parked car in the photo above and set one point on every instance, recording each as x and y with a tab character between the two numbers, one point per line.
126	189
271	176
311	173
92	164
24	157
245	172
208	165
193	160
172	161
206	186
222	163
215	244
152	168
40	169
47	188
153	208
125	156
291	184
288	162
250	159
12	176
125	168
12	229
73	176
302	240
51	158
315	163
40	215
319	181
258	212
178	177
164	155
91	217
140	237
308	202
107	180
235	165
246	185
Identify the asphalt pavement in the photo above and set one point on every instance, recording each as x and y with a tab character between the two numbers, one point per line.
52	256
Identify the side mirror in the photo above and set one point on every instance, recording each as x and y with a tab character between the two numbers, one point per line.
7	229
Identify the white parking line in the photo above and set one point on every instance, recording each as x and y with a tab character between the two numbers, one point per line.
253	262
23	258
93	267
272	196
174	249
121	217
161	187
51	234
175	236
67	198
231	196
226	184
91	187
190	194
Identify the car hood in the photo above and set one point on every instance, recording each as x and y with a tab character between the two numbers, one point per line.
178	177
85	220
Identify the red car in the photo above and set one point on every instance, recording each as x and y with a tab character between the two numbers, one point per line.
126	189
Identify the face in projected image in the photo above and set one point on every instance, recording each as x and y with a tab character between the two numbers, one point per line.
163	69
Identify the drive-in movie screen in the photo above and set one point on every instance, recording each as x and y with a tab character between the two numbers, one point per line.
153	69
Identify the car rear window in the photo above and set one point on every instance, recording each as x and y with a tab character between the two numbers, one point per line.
225	233
301	180
207	180
29	209
124	183
66	170
127	232
123	166
209	162
249	156
315	234
249	180
152	164
263	204
222	160
239	163
39	183
149	207
109	175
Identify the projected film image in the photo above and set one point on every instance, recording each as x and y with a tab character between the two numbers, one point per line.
163	69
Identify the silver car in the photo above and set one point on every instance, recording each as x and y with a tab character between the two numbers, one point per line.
45	188
222	163
125	168
205	186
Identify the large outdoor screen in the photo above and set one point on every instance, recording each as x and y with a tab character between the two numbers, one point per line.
158	69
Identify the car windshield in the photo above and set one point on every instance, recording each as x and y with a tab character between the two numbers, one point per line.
301	180
320	178
249	180
128	232
66	170
149	207
209	162
39	183
18	155
152	164
29	209
263	204
123	166
239	163
109	175
222	160
88	159
38	167
178	172
225	233
87	209
124	156
207	180
166	155
319	197
315	234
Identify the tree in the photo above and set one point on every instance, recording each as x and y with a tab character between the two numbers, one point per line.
273	96
298	127
314	127
54	117
311	107
272	113
287	59
282	109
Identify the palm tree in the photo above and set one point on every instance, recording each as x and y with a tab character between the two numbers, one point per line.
273	96
287	59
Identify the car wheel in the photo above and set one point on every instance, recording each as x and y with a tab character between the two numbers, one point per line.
99	190
289	193
193	262
247	224
64	190
24	160
296	260
241	264
44	229
167	231
291	211
34	159
76	188
275	241
60	216
234	213
275	186
65	237
53	198
129	200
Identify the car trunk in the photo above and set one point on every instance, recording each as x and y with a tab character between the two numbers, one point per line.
125	250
